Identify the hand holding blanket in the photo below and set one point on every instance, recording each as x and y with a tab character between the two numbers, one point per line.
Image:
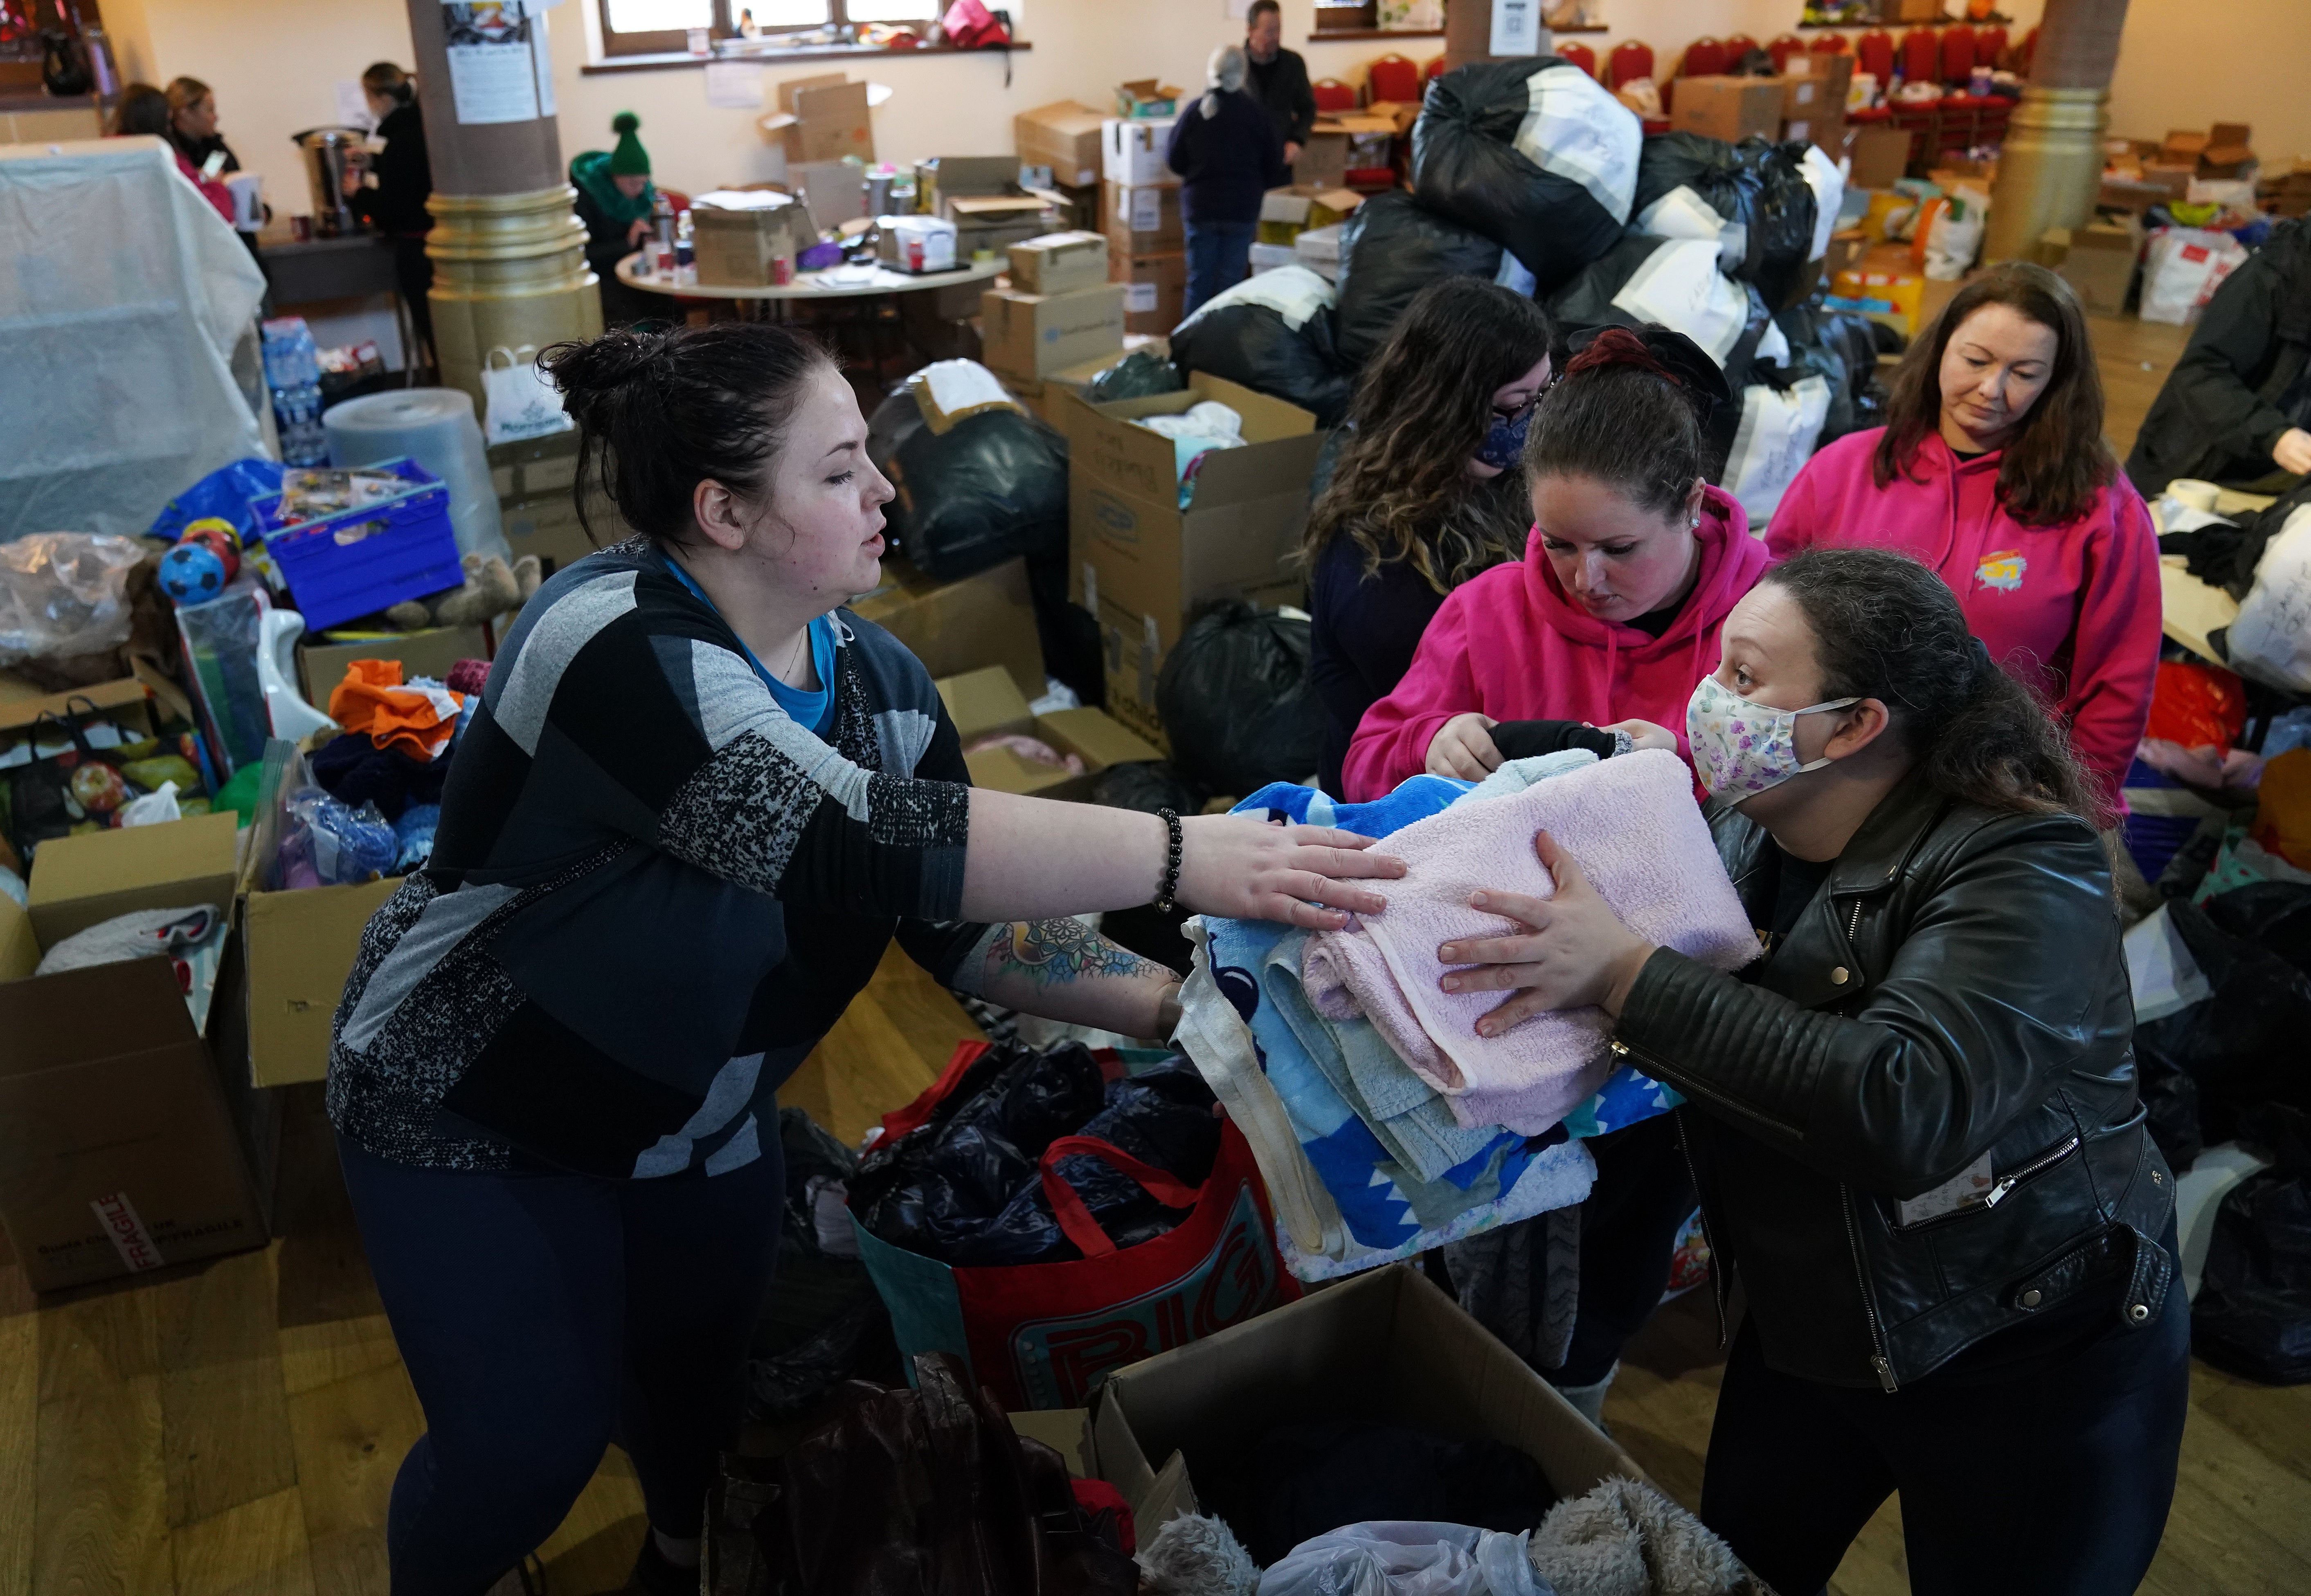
1633	824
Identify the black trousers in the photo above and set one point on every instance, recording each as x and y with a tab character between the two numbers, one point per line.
413	274
2054	1481
1629	1229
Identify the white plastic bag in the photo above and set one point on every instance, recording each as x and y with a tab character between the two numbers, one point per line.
2272	637
2182	267
1404	1559
1954	238
152	808
1679	287
1774	441
522	401
63	594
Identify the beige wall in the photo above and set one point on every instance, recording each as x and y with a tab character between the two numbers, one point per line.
2184	64
274	64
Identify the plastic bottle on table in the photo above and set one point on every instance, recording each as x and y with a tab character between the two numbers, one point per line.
686	257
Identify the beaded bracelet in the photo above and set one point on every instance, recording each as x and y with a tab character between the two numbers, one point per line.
1166	896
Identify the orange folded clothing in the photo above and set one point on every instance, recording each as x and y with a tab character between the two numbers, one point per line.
417	721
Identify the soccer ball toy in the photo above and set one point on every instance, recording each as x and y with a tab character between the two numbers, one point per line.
193	573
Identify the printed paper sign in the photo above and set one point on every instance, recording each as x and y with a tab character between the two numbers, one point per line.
493	75
1516	27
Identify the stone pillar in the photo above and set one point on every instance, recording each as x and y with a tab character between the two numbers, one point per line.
2051	166
508	250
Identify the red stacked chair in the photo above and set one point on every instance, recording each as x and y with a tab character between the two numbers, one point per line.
1957	56
1783	47
1434	69
1579	55
1922	56
1829	44
1394	77
1736	46
1989	45
1704	57
1631	59
1333	95
1873	53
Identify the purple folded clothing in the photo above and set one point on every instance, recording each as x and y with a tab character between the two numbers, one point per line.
1632	825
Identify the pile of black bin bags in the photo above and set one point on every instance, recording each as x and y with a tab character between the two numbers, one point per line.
2232	1067
1530	174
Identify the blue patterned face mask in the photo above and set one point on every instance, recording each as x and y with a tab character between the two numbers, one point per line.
1504	444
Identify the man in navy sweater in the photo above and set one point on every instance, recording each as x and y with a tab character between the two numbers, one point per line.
1227	153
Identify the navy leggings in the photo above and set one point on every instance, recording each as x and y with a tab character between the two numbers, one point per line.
542	1316
2055	1481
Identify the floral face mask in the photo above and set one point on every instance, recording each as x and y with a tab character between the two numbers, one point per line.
1741	747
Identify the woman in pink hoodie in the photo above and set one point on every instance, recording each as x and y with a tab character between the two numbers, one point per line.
1596	637
1993	470
1593	640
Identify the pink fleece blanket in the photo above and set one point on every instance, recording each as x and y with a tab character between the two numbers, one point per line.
1632	824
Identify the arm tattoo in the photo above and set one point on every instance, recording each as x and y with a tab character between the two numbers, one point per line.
1054	952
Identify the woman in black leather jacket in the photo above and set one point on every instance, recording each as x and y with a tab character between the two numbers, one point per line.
1913	1122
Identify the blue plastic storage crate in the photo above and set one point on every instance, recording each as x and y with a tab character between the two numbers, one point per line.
360	560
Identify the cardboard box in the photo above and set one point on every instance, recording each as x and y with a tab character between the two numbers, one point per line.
987	704
1728	108
945	178
954	627
1154	291
1846	251
1881	156
299	946
823	118
321	665
1132	153
1814	87
1143	220
834	191
1060	262
1323	161
1139	562
1065	137
123	1145
1035	334
736	248
1386	1346
2098	263
1146	97
1894	298
1285	214
548	527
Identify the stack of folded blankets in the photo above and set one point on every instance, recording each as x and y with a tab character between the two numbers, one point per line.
1382	1123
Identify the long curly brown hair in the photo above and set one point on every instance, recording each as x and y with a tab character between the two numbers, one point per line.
1402	490
2050	470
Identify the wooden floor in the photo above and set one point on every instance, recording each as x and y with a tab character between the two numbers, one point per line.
232	1429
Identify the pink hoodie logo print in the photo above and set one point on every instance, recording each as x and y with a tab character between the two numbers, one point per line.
2002	570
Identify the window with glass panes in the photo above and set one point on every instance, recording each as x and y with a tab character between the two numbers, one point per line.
652	27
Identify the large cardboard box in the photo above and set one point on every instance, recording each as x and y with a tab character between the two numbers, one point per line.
1881	155
1143	219
1728	108
1285	214
1065	137
1323	161
301	947
1814	88
321	665
2099	262
1132	150
1060	262
1140	562
1154	290
124	1145
1035	334
985	703
736	248
1386	1347
1042	396
823	118
954	627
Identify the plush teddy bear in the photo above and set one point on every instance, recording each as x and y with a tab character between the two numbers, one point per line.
492	588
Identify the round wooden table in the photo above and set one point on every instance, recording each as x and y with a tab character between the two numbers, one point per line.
855	287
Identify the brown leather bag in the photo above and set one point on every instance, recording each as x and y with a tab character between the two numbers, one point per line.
927	1492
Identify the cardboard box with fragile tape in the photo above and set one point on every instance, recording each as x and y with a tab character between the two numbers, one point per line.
1059	263
987	704
129	1138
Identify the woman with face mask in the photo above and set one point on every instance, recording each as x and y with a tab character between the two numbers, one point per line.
1591	641
1993	470
1914	1120
1426	491
698	801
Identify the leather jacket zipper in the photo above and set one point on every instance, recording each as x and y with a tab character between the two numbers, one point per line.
2046	1160
1622	1051
1879	1361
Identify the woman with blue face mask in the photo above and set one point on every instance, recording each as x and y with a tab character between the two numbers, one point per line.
1426	491
1913	1122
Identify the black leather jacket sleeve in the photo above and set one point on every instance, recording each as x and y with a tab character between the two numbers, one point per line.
1894	1082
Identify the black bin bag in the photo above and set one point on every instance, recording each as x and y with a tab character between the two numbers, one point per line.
1757	185
1671	283
993	486
1273	334
1236	700
1392	248
1535	154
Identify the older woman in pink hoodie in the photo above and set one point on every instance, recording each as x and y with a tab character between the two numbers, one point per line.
1994	471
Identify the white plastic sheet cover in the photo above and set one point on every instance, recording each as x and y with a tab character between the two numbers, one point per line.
122	294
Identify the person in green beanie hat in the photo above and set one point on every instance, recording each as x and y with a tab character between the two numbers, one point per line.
615	200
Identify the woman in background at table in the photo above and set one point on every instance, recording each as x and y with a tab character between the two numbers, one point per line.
401	181
143	110
1994	471
614	201
1429	490
193	129
1592	641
